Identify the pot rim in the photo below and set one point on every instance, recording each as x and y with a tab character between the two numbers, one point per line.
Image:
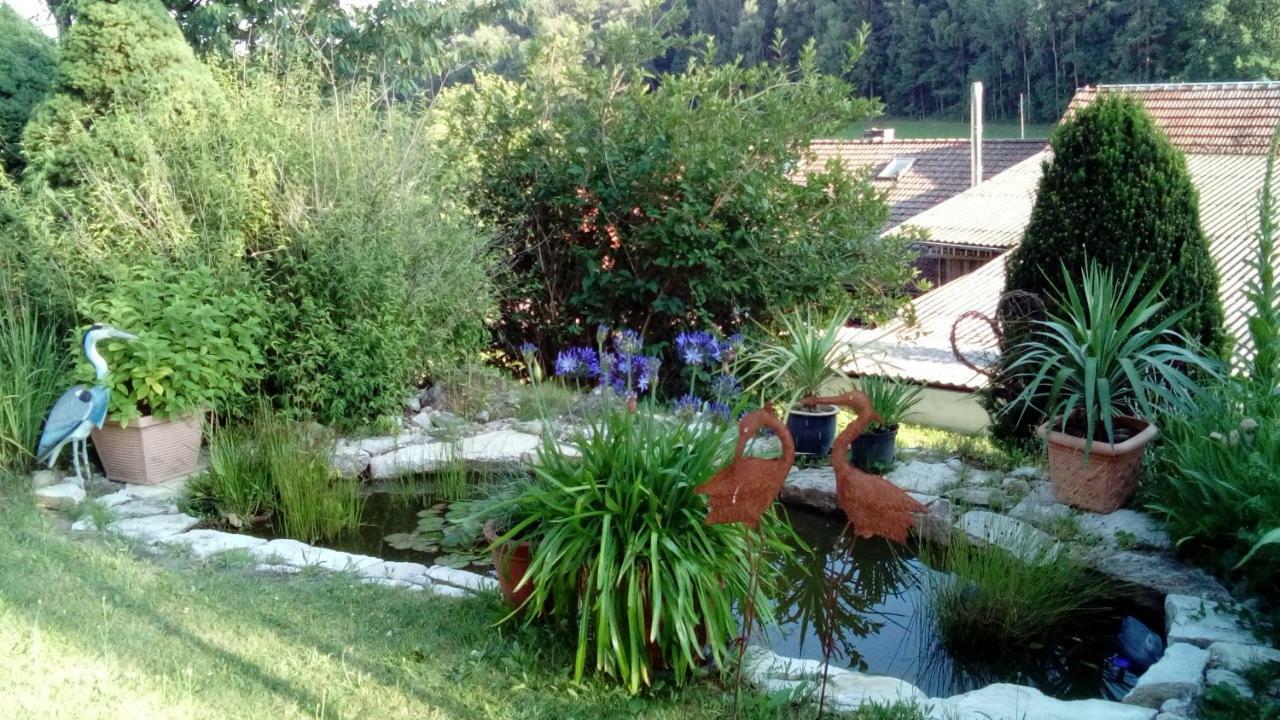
1133	444
147	421
817	411
890	430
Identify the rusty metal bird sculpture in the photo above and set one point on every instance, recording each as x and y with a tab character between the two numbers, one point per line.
875	506
745	488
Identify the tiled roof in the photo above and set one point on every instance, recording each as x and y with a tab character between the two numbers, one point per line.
941	167
1219	118
993	214
919	341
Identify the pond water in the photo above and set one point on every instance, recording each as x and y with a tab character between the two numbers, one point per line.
883	622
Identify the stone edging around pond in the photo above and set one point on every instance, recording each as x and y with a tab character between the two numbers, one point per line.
1206	641
150	516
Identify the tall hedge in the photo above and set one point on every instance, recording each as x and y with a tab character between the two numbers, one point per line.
27	61
1117	191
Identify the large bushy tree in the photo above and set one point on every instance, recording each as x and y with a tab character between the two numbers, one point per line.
664	201
27	61
1117	191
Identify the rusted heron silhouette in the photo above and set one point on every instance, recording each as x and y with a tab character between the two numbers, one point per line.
745	488
874	506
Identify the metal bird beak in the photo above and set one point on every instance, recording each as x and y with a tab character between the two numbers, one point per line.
120	334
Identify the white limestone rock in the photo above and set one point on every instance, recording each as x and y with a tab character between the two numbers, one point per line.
1026	472
204	543
1178	675
153	528
44	478
168	490
1156	575
976	495
349	459
111	500
1003	701
300	554
501	448
276	569
1038	506
1239	658
141	508
1218	676
923	477
62	497
1018	538
848	690
760	664
811	487
1176	706
392	582
422	420
1200	622
462	579
447	591
1117	527
410	572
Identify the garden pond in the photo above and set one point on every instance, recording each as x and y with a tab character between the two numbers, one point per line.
881	622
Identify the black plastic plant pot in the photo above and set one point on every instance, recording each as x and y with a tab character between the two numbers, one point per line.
812	429
874	450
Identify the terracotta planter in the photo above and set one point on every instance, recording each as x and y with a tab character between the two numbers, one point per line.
512	562
1104	481
149	450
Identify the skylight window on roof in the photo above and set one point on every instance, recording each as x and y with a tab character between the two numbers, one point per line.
895	168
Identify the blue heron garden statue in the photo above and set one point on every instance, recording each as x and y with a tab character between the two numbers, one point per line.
80	409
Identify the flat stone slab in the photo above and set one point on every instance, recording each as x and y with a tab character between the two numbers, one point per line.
501	448
811	487
978	496
461	579
153	528
1219	676
410	572
1014	536
62	497
923	477
141	508
44	478
1156	575
1122	527
1179	675
204	543
1004	701
300	554
1239	658
846	690
1200	622
1039	506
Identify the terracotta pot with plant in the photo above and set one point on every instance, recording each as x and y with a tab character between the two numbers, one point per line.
198	347
804	357
1100	367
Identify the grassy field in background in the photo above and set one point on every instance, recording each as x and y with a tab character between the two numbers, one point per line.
911	128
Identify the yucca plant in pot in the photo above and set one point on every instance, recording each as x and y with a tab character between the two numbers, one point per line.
875	449
198	348
1101	369
804	355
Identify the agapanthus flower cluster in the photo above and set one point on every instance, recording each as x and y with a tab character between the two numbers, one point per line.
700	347
624	368
706	359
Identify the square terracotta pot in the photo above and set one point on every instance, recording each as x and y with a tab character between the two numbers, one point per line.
1105	479
149	450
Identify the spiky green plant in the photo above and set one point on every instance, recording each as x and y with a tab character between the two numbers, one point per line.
1104	354
33	370
805	354
623	553
892	399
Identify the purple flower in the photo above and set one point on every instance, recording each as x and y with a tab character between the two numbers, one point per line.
687	406
578	362
725	388
528	348
628	342
719	411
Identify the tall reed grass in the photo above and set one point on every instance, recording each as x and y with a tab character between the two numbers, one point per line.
34	367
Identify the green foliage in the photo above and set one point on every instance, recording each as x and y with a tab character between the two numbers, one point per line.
1000	599
269	465
27	63
893	400
1224	702
120	59
622	551
199	342
1215	484
662	202
33	372
1116	193
1103	354
806	353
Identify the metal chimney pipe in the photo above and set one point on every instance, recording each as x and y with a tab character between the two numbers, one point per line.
975	135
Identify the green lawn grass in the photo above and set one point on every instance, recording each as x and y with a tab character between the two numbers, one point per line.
906	128
92	629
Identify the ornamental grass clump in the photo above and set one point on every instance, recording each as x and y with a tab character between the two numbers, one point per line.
999	599
622	552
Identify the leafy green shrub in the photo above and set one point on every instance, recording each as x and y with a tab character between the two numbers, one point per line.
199	342
1215	484
33	372
27	65
1117	193
1102	354
892	400
667	202
994	599
622	550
